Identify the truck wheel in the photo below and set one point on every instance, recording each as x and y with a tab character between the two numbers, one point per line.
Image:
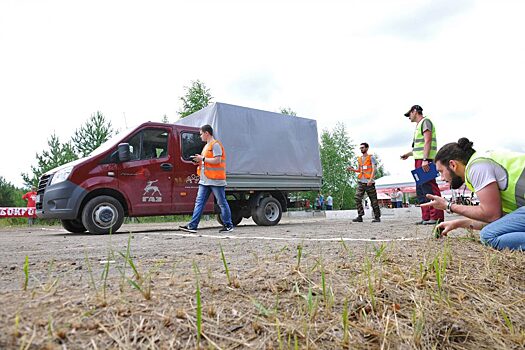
102	215
73	226
236	215
268	213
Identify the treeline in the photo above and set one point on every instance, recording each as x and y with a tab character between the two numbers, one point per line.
336	150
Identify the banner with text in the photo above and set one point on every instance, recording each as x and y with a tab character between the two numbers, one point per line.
13	212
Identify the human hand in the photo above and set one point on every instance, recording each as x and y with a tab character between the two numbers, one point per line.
425	166
436	202
198	158
351	169
447	226
404	156
370	183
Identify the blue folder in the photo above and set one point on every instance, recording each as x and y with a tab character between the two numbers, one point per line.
422	177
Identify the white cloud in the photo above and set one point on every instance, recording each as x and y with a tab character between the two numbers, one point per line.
362	63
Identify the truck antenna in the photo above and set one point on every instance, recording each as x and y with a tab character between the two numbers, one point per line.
125	121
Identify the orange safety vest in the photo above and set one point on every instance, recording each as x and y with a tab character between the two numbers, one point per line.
365	168
213	171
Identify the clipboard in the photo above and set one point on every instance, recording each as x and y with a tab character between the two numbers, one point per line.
421	177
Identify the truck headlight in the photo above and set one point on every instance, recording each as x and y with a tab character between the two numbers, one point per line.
61	175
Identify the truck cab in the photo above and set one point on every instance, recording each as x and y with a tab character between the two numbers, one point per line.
145	171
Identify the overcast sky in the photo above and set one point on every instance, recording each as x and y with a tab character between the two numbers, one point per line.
362	63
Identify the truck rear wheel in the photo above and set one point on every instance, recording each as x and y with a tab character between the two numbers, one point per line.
73	226
268	212
236	214
102	215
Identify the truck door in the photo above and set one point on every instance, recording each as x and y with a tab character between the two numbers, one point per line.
147	177
186	182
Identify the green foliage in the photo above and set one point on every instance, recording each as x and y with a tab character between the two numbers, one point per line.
288	111
165	119
95	131
10	196
380	168
336	154
196	98
57	154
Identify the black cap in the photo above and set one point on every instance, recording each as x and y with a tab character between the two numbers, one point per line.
416	108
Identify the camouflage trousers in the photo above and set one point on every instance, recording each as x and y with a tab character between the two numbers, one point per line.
372	194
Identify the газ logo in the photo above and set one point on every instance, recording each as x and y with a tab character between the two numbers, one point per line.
153	189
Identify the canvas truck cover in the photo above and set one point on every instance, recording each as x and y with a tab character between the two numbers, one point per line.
262	143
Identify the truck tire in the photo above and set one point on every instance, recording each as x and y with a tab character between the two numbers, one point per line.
73	226
268	212
102	215
236	215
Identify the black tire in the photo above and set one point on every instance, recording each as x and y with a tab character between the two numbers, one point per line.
73	226
102	215
268	212
236	215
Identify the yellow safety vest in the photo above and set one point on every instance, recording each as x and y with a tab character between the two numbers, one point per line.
419	141
513	196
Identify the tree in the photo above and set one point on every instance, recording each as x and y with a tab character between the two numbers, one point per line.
196	98
57	154
336	154
288	111
92	134
10	196
165	119
380	168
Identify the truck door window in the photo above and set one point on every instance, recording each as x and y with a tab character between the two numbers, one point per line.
191	144
149	144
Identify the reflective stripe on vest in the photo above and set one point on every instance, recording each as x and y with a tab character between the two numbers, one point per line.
419	141
513	196
213	171
365	168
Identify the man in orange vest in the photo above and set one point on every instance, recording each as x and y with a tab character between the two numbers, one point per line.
366	170
212	171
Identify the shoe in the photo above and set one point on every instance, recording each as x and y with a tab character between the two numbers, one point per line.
420	222
226	229
376	220
429	222
186	228
358	219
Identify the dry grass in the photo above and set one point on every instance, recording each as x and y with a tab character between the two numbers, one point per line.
453	294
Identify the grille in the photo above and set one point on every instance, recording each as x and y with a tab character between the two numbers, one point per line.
42	184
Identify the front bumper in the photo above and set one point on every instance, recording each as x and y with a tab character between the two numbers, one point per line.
60	201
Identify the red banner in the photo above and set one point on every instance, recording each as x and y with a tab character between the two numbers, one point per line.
12	212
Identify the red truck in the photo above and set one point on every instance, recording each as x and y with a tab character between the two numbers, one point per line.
148	171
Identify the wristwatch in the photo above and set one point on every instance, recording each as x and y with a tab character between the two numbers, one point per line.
449	208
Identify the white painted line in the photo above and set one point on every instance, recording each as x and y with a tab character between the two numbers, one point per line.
330	239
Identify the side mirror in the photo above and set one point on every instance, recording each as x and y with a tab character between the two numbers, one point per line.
124	154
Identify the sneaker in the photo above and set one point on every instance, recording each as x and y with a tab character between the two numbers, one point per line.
420	222
376	220
226	229
429	222
186	228
358	219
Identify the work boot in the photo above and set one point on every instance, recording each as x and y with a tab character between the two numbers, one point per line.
376	220
358	219
429	222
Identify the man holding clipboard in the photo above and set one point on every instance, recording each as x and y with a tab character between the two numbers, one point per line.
424	149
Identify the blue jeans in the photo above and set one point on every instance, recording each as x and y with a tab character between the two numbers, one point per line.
507	232
202	198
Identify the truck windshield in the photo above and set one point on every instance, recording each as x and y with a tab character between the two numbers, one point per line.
111	142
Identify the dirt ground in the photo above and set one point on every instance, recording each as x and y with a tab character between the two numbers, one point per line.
309	283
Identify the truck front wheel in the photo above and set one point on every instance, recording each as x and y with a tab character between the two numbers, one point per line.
102	215
73	226
268	212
